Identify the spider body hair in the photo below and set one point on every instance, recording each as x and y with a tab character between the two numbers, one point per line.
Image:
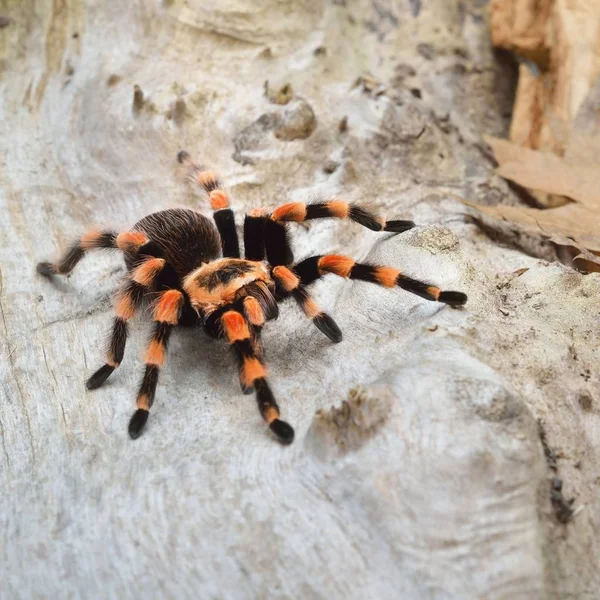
187	271
182	236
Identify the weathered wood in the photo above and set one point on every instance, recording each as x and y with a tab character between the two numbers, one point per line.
432	481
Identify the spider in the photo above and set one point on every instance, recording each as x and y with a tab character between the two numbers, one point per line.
190	273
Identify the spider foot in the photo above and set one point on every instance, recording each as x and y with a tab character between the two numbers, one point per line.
329	327
398	226
246	389
47	269
283	431
453	298
99	377
183	156
138	422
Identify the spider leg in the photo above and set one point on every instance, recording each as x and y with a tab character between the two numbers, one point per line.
322	321
288	283
264	233
256	318
314	267
255	223
128	241
257	312
128	302
337	209
237	330
165	317
219	201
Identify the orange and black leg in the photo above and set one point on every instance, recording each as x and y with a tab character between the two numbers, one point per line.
265	236
166	316
289	283
256	312
128	241
267	233
237	330
313	268
128	302
255	224
219	202
337	209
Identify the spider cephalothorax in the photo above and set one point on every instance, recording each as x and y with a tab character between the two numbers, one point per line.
221	281
193	274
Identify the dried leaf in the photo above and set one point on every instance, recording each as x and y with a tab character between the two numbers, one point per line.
556	122
547	172
576	222
572	254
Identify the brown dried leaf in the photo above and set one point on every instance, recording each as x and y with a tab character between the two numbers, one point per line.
573	228
573	221
555	124
547	172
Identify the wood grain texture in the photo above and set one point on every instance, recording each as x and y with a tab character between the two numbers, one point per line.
431	482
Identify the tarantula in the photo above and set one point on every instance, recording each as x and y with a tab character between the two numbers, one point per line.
194	276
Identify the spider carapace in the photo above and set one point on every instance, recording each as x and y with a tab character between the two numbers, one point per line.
188	272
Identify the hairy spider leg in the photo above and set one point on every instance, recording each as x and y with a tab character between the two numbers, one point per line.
264	236
268	234
290	284
315	267
127	304
219	202
256	313
128	241
337	209
237	330
165	316
255	223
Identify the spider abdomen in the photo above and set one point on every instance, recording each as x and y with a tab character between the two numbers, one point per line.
185	237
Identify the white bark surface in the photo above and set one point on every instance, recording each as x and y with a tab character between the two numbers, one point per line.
431	481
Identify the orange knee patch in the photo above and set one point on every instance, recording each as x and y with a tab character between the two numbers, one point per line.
168	307
339	209
253	311
235	326
207	178
335	263
270	414
311	308
91	239
434	292
110	360
218	199
387	276
288	280
125	308
155	354
143	402
293	211
252	369
131	240
257	212
147	271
